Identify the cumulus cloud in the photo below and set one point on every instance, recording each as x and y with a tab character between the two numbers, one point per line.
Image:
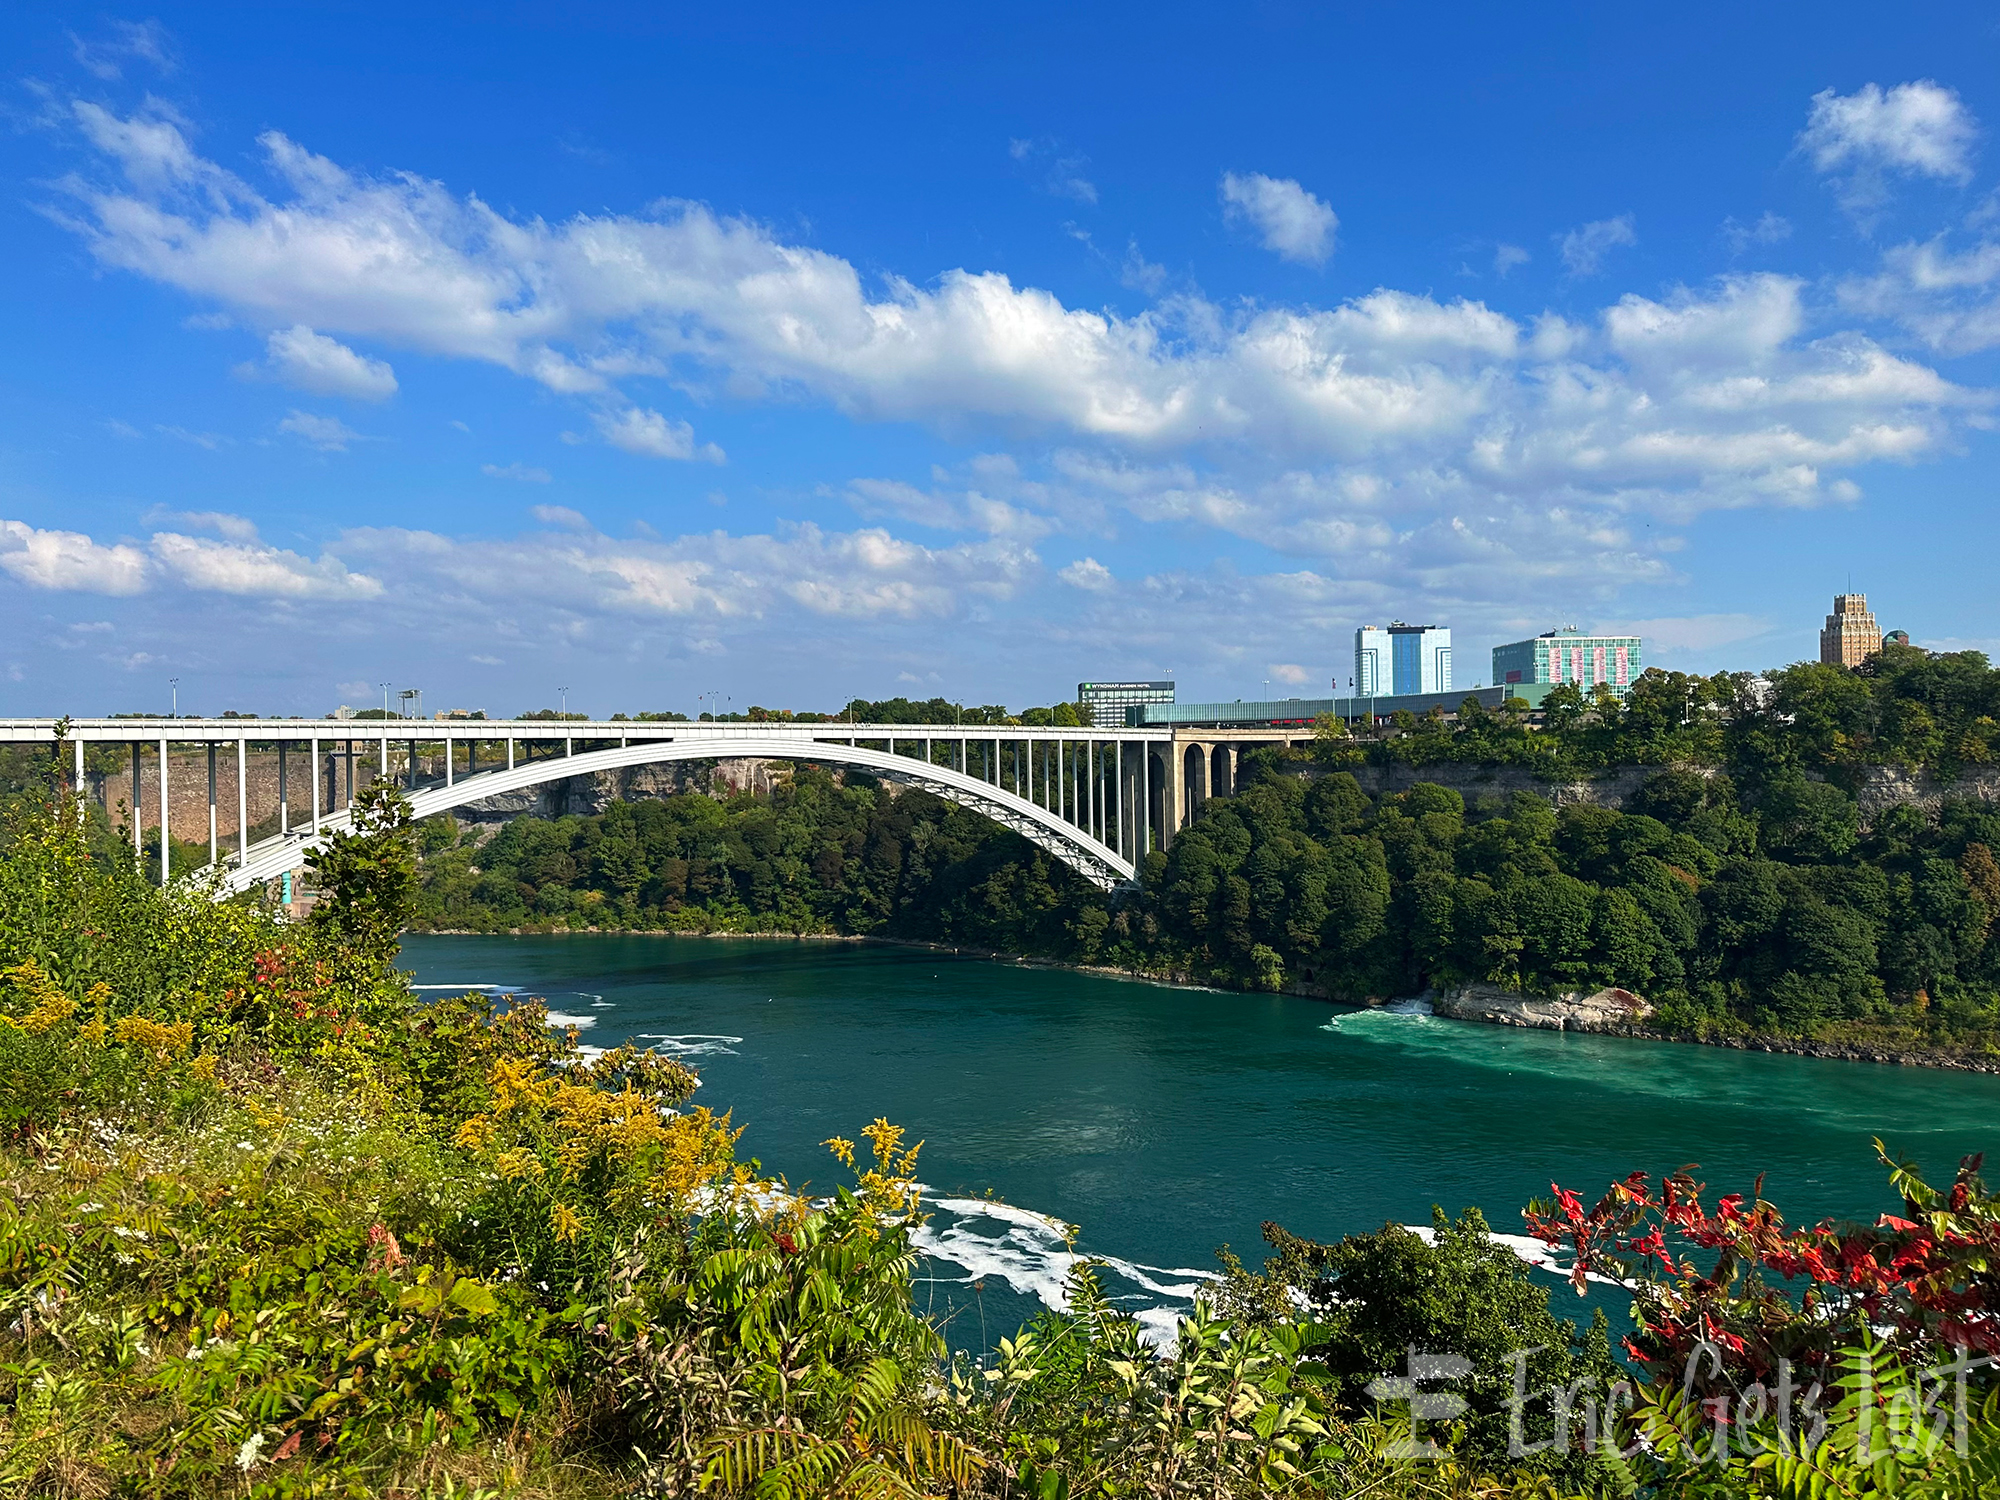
1947	296
525	473
72	562
255	570
1089	574
1289	221
1311	428
643	431
584	580
326	367
1921	128
328	434
1584	248
69	561
864	575
1508	257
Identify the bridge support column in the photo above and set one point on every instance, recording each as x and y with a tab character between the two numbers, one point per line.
166	848
319	774
212	841
284	798
242	800
77	780
138	842
1092	765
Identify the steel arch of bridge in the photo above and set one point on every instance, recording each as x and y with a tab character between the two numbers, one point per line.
1076	847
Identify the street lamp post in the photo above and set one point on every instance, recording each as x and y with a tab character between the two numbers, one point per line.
175	684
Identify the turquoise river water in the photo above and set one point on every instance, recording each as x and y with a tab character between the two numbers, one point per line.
1165	1122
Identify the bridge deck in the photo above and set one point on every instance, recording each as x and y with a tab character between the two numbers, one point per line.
299	731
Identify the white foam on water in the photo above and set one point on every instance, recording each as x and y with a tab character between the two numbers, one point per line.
1526	1247
692	1044
1398	1012
1031	1253
564	1018
482	987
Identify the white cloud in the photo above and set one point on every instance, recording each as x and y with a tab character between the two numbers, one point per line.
105	56
1062	172
212	441
70	561
256	570
1922	128
1089	574
525	473
1507	257
646	432
328	434
1311	428
1140	274
1289	220
1583	249
1769	229
222	523
1290	673
863	575
947	510
1949	298
326	367
560	515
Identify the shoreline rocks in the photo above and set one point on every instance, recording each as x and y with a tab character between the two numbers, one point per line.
1607	1010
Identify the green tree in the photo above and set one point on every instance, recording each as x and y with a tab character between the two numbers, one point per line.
367	876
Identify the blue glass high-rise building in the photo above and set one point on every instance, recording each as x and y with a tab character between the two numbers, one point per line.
1402	659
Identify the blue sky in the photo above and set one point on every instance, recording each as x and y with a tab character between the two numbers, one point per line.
795	354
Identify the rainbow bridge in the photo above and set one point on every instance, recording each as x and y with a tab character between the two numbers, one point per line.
1096	798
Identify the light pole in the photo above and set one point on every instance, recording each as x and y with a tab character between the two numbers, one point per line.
385	700
175	684
565	702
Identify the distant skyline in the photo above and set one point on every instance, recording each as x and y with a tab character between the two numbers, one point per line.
801	356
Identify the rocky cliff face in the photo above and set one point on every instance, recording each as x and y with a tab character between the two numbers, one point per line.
1889	786
588	795
1471	781
1603	1010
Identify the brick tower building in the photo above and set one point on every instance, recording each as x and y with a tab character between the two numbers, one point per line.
1851	635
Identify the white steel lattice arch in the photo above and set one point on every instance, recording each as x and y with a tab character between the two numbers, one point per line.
1096	861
